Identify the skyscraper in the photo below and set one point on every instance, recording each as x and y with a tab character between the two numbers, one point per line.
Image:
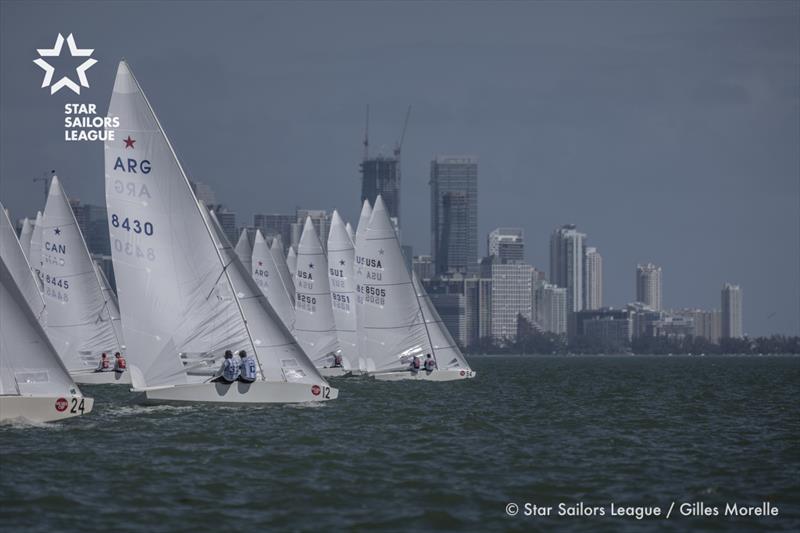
593	280
731	311
322	223
648	285
510	297
551	308
454	213
506	243
93	222
566	264
276	224
381	175
227	220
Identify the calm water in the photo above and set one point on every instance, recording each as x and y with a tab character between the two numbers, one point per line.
394	456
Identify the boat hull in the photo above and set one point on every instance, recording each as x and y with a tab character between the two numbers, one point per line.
436	375
43	408
258	392
333	372
101	378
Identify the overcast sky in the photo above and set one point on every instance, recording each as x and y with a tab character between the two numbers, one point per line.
668	132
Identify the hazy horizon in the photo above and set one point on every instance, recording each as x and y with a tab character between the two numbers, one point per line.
668	132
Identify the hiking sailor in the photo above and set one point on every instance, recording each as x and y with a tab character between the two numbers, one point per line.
229	371
248	367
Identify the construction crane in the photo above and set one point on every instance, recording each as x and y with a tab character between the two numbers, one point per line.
366	136
399	145
45	177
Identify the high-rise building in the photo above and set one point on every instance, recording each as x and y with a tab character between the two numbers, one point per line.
648	285
731	312
227	220
381	175
322	223
463	304
612	325
566	264
275	224
204	193
423	266
511	297
550	304
506	243
593	279
706	322
454	214
93	222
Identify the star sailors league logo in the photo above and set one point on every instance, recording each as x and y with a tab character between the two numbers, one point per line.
65	81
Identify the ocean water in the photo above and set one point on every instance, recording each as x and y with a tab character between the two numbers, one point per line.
635	431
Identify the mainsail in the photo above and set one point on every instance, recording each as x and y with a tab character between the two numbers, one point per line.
391	327
314	325
111	303
25	235
350	232
244	251
78	319
291	262
35	253
181	289
29	364
340	276
268	279
363	219
286	271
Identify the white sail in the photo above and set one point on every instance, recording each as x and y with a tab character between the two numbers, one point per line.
244	251
182	290
285	270
390	328
269	280
78	320
314	325
350	232
291	262
340	275
35	253
363	219
111	303
25	235
29	364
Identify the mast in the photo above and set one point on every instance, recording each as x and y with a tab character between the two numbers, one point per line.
205	222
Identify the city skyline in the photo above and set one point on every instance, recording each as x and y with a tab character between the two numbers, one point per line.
688	164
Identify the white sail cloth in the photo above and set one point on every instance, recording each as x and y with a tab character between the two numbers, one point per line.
35	253
78	319
244	251
314	325
29	364
179	294
287	276
111	303
291	262
340	276
25	235
363	219
269	280
390	328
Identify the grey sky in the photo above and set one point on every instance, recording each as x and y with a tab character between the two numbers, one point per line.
668	132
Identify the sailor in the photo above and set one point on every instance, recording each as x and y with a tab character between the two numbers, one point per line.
104	365
415	365
430	364
229	371
337	360
119	363
248	367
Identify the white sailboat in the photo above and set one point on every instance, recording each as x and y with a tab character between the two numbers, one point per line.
244	251
25	235
396	321
314	325
287	277
363	219
184	295
35	252
340	277
270	281
79	322
34	384
350	232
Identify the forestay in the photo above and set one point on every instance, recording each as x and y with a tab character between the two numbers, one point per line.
314	325
340	275
78	319
390	324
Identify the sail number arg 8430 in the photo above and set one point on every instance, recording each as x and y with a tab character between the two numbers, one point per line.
134	225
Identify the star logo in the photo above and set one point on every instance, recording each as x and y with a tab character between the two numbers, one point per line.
260	263
74	52
57	231
311	265
380	251
129	142
341	262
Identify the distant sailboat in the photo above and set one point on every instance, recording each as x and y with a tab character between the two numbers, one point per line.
350	232
34	384
363	219
25	235
291	262
269	280
396	321
184	295
79	322
244	251
314	325
35	252
340	276
276	250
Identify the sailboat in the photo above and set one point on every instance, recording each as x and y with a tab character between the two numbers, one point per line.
397	321
340	277
25	235
363	219
184	295
270	281
244	251
35	251
287	278
291	262
350	232
112	304
314	325
79	322
34	383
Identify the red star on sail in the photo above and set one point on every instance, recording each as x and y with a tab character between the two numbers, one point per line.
129	142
